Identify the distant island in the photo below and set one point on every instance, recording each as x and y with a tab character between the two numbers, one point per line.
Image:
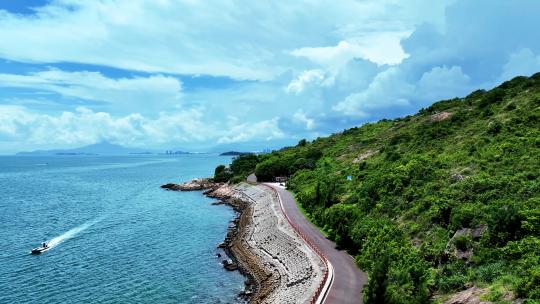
171	152
234	153
102	148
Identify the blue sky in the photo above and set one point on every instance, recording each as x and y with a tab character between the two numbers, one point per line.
203	75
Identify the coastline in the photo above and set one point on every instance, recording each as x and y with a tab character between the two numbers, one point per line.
257	284
278	265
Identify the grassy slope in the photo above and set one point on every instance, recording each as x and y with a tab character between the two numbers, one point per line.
462	163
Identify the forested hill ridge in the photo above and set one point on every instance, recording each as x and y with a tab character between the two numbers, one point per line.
429	204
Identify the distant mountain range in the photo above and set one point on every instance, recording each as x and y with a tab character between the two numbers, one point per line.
103	148
106	148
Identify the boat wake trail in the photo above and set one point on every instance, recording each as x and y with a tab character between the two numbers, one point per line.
71	233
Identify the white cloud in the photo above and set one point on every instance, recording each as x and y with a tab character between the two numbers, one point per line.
84	126
298	84
11	117
152	36
243	132
450	59
384	47
220	38
521	63
443	82
332	57
301	117
133	94
380	48
342	63
388	89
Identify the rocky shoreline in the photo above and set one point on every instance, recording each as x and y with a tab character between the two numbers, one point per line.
193	185
260	242
240	258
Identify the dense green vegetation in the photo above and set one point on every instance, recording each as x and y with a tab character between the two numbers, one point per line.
437	202
240	168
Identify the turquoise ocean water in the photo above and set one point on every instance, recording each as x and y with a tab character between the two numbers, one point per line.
116	236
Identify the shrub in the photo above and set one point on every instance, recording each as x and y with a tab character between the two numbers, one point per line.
510	107
375	291
494	96
452	282
340	219
489	272
504	223
244	164
406	194
462	242
463	216
270	168
222	174
494	127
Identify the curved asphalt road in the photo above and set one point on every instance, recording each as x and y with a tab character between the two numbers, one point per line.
348	279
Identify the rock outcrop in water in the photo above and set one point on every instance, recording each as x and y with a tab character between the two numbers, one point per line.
193	185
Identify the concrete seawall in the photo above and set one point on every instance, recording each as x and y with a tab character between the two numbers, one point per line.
266	246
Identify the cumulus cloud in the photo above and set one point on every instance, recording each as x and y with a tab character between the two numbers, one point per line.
301	117
84	126
242	132
451	59
388	89
332	57
380	48
523	62
391	91
292	69
443	82
306	78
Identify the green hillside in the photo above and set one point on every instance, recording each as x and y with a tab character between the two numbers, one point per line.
428	204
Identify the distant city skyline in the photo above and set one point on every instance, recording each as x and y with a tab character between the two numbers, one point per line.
243	75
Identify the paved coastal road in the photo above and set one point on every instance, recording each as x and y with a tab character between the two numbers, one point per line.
348	279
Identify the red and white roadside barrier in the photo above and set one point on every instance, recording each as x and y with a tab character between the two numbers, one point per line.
320	294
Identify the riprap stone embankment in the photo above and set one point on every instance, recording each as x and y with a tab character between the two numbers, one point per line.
276	260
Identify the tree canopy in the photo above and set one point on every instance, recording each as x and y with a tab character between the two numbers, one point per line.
436	201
